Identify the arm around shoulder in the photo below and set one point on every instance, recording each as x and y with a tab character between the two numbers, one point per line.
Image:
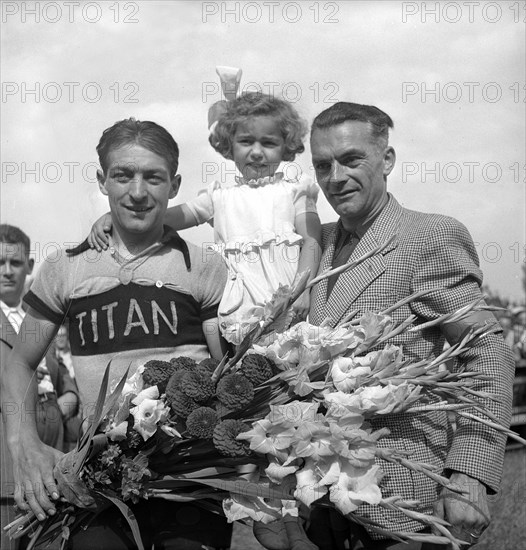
309	227
180	217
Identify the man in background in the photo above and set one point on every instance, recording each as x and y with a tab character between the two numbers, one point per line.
57	391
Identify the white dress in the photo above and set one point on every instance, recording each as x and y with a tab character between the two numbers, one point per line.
254	229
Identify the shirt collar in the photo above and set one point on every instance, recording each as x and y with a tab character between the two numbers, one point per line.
173	239
8	309
170	238
260	182
362	228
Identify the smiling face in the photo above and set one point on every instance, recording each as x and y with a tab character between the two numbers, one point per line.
15	266
138	185
351	168
258	147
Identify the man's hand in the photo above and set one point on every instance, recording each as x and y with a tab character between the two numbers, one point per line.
41	371
35	486
468	513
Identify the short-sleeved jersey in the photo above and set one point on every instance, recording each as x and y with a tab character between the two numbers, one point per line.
127	311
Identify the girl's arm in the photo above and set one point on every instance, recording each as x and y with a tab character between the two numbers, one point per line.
309	227
180	217
217	345
177	217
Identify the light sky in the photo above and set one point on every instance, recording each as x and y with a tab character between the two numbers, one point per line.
451	75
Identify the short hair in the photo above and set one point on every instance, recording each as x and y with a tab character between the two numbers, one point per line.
13	235
147	134
252	104
344	111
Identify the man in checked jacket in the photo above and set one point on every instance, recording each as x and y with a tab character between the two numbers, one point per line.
352	159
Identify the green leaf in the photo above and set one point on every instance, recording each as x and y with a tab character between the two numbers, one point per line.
85	448
84	445
242	487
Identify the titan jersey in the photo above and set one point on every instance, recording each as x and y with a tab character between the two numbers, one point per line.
130	310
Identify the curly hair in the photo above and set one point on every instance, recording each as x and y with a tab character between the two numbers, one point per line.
147	134
253	104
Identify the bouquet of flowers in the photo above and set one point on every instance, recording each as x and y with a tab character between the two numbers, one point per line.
283	423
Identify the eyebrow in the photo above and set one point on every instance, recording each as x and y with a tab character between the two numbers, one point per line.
352	151
132	168
265	136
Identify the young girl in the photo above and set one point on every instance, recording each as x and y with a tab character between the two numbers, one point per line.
265	226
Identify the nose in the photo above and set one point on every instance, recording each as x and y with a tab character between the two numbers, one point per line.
337	173
138	188
6	269
334	178
256	151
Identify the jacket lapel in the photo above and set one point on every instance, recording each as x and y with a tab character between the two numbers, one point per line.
351	284
7	332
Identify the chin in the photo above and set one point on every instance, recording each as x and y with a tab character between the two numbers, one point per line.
346	210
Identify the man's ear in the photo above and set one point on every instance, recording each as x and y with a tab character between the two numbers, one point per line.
175	184
389	160
101	178
31	265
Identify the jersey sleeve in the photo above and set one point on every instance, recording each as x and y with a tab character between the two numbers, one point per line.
49	293
305	195
202	207
210	282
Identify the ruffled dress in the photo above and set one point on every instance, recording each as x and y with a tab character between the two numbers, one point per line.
254	230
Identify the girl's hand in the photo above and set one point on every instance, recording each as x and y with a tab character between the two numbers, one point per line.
98	237
301	307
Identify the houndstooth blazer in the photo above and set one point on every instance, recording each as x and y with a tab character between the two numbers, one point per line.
429	251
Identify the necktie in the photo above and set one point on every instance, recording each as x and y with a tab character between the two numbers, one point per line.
15	317
342	251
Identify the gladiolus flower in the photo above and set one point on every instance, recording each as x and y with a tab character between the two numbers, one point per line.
294	413
118	432
147	415
313	440
151	392
266	437
356	486
347	372
240	507
308	488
